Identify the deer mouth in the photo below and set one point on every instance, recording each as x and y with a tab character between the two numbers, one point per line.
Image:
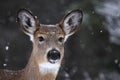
53	56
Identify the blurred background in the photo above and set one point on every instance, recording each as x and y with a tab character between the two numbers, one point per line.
92	53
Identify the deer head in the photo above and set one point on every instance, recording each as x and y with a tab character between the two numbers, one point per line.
48	40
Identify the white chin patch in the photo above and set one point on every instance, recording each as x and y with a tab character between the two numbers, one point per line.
47	67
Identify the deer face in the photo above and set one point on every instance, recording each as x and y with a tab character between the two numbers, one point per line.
48	40
50	43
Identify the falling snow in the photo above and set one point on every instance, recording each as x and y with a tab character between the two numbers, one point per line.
116	61
7	48
4	65
101	31
93	12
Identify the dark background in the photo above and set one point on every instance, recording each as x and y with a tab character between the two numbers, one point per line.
92	53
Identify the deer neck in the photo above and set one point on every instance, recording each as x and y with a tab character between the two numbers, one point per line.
37	71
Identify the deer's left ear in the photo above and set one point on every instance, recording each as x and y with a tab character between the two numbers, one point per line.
71	22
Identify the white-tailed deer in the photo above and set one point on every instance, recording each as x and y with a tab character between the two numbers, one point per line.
48	45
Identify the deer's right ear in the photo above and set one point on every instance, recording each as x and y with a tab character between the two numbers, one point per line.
27	21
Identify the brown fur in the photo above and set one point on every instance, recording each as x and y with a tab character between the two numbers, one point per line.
31	72
51	34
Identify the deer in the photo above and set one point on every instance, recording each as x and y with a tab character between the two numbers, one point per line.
48	45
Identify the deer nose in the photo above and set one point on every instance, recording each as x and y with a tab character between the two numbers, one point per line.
53	55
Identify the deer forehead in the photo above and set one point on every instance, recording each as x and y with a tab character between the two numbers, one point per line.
50	30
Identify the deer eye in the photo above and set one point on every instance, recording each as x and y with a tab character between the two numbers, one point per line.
41	39
60	39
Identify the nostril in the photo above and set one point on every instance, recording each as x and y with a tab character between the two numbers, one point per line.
53	55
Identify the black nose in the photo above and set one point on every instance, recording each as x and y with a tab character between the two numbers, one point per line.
53	55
